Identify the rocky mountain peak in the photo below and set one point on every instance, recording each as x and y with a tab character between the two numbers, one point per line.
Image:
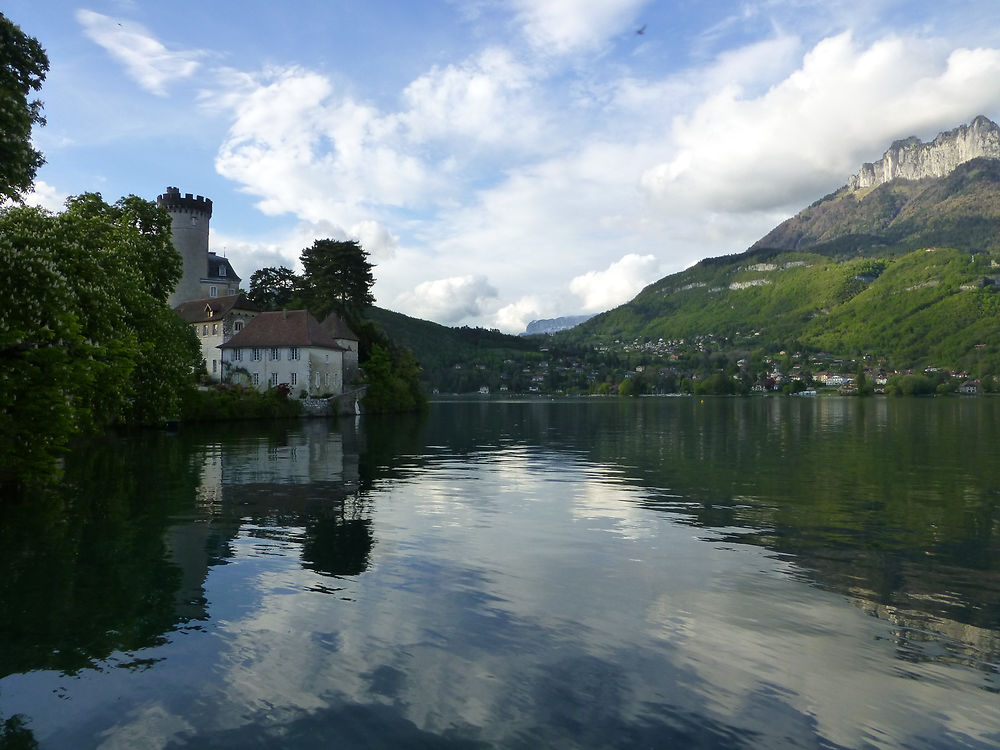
913	159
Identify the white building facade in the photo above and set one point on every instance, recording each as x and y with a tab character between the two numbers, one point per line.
285	348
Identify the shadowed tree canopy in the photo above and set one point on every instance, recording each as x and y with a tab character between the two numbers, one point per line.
86	337
338	278
273	288
23	64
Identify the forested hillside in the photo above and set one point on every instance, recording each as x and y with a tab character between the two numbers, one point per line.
906	271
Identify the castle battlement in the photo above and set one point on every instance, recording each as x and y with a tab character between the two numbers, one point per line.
172	200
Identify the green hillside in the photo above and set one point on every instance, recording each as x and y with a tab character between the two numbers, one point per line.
907	271
459	359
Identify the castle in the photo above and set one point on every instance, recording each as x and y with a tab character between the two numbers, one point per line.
205	274
239	343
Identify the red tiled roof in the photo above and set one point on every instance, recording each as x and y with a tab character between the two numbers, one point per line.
284	328
196	310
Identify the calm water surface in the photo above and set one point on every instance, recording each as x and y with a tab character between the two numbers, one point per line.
758	573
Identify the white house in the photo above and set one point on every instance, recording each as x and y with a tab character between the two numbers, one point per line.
215	321
287	347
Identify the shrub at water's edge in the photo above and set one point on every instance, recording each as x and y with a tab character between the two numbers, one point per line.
238	402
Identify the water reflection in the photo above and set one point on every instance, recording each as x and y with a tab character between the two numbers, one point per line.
717	573
118	557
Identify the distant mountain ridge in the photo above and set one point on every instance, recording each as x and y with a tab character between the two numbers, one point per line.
554	325
912	159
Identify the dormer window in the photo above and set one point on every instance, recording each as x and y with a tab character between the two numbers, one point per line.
222	269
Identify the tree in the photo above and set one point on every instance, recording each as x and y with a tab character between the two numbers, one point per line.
86	337
338	278
273	288
23	64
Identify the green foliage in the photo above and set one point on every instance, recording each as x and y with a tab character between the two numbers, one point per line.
23	65
717	384
627	387
337	278
483	357
393	381
232	402
911	385
274	288
86	337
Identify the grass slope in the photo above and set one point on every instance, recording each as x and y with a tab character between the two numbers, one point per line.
851	274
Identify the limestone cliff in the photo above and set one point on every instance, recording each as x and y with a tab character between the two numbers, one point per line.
912	159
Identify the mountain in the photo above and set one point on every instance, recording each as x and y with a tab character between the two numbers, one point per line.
853	272
553	325
912	159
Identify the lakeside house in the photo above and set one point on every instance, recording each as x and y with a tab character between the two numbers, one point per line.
289	348
215	321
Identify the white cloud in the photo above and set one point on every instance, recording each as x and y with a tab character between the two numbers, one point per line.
514	318
376	239
565	26
46	196
314	152
620	282
449	301
493	168
808	132
146	59
478	99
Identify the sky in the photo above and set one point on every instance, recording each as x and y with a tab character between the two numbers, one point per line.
500	161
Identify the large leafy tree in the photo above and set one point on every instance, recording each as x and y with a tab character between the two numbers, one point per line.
23	65
273	288
338	278
86	337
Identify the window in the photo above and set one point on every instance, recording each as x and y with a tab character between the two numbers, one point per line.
293	352
237	355
215	328
317	380
238	326
274	379
231	290
215	366
256	378
294	379
213	291
222	269
204	330
255	354
275	353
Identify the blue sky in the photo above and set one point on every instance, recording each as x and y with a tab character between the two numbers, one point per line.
501	161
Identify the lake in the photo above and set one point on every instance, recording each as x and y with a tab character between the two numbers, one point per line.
600	573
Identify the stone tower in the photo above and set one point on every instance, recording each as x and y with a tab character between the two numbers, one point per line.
190	217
